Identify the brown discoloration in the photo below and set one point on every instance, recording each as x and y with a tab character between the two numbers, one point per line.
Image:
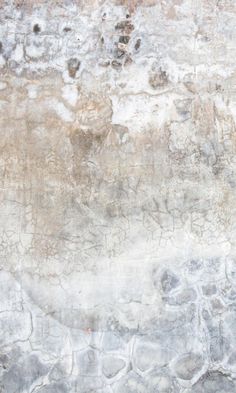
116	64
124	39
36	28
137	44
158	79
133	4
108	177
86	164
171	13
66	29
73	66
125	26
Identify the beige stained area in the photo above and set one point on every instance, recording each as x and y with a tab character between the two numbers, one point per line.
117	196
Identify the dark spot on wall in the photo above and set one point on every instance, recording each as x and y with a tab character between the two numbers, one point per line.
4	361
66	29
102	40
125	25
116	64
36	28
120	25
119	52
169	281
137	44
158	79
128	60
73	65
124	39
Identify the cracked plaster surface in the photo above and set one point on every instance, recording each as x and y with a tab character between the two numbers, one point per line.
117	196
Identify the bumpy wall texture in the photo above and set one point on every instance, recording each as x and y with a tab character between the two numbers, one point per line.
117	196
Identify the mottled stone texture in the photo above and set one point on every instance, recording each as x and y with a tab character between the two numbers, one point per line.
117	196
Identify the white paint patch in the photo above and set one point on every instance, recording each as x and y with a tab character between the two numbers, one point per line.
70	94
140	112
18	54
3	85
61	110
34	52
2	61
32	91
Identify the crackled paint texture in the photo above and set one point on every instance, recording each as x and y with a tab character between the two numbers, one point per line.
117	196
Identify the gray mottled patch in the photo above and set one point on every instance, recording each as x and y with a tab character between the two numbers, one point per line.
23	374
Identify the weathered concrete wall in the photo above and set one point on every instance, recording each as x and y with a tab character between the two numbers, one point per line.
117	196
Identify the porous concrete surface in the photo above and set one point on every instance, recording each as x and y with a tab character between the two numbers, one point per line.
117	196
